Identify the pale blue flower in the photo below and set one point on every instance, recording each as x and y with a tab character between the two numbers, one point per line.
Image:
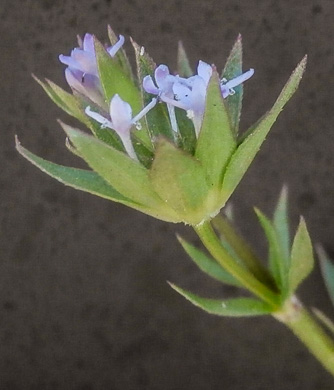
121	120
163	87
82	73
189	93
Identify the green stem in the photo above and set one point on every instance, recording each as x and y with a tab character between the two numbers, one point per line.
305	327
242	249
242	274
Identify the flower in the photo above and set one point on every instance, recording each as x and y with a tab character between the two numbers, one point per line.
189	93
81	73
121	120
163	87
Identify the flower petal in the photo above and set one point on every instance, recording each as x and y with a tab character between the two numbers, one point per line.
121	115
112	50
149	85
204	70
88	43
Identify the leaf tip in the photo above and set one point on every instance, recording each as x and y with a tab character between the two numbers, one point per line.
179	238
322	255
18	145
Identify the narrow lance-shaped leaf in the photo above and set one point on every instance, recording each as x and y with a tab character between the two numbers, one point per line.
329	324
183	66
247	150
87	181
79	179
216	142
302	260
281	223
207	264
74	105
126	175
235	307
232	69
277	264
240	247
157	120
187	136
115	81
327	270
65	100
179	180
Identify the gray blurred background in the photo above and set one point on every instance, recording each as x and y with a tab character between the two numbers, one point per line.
83	295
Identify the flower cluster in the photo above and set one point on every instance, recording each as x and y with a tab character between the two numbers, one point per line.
163	143
188	93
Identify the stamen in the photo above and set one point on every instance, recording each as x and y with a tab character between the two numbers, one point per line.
144	111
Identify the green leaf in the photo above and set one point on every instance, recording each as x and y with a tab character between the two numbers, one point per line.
74	106
207	264
327	270
65	100
240	249
302	259
115	80
87	181
77	178
235	307
233	68
329	324
157	120
247	150
144	154
127	176
183	66
180	181
215	142
277	263
187	140
281	223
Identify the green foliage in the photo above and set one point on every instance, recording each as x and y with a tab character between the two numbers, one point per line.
183	65
157	120
289	266
327	270
115	80
250	145
277	263
216	142
74	106
232	69
327	322
302	260
281	223
127	176
235	307
180	181
208	265
177	177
